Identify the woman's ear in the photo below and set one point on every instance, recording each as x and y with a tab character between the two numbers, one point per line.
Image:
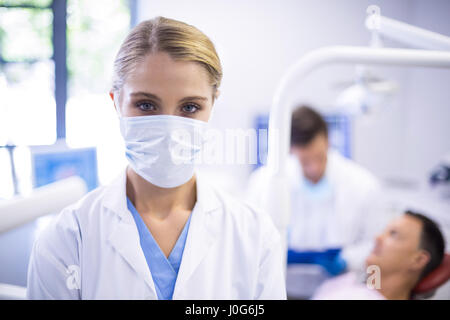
111	94
217	94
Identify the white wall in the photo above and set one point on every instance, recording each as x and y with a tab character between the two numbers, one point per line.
258	40
428	117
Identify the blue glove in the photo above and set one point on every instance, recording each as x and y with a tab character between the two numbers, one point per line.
332	262
301	256
330	259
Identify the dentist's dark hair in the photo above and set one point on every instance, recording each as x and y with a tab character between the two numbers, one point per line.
306	125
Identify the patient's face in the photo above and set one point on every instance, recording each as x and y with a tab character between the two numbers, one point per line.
398	246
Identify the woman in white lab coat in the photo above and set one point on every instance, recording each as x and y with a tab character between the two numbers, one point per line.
160	231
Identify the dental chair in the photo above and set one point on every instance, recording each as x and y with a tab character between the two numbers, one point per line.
427	287
42	201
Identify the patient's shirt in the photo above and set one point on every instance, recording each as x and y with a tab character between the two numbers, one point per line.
349	286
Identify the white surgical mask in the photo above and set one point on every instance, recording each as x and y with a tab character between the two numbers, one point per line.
163	149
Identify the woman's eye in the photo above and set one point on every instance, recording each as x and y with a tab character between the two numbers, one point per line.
190	108
146	106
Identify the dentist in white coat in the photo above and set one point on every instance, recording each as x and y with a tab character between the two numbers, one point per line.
160	231
335	207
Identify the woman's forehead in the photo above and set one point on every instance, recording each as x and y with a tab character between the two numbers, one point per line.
161	66
161	75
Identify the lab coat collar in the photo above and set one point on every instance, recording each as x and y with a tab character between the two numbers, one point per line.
203	231
116	201
115	198
124	236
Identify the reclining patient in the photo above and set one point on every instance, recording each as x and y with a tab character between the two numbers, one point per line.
410	248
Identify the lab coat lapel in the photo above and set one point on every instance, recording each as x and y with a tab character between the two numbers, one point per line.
203	231
125	240
124	236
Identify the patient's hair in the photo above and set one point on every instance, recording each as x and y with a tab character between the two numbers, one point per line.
306	125
431	240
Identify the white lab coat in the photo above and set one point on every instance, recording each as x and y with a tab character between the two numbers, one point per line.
91	250
349	217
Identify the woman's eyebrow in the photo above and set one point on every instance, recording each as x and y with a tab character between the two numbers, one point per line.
146	94
155	97
194	98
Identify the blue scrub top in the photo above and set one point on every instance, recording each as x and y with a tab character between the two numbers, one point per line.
164	270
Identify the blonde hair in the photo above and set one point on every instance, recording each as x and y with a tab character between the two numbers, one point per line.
180	40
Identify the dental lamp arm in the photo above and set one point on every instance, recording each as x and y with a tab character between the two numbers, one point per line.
50	198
